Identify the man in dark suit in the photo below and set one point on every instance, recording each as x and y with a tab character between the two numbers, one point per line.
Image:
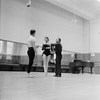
58	51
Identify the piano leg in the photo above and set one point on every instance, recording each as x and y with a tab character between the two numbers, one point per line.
82	70
91	70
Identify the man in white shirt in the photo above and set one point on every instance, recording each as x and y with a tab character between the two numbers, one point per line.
31	50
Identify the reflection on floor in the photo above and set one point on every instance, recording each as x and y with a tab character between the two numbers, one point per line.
16	86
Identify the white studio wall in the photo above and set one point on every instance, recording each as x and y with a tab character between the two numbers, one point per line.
86	36
95	35
17	19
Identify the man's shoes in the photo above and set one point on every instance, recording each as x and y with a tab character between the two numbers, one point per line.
29	75
57	75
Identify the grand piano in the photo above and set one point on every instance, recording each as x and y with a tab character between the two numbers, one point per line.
76	65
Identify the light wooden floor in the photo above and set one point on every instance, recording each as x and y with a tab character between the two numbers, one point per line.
15	86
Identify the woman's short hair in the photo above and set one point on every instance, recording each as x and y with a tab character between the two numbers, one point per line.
59	39
32	31
47	38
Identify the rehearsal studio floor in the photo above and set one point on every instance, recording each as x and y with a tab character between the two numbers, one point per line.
16	86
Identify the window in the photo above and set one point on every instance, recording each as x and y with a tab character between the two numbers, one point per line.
1	49
1	46
10	46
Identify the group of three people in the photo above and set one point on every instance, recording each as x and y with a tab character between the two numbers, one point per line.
46	47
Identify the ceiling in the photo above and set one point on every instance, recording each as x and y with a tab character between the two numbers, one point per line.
88	9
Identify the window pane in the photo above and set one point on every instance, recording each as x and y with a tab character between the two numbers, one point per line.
1	46
10	47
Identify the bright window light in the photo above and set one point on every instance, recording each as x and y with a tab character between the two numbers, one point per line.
10	47
1	46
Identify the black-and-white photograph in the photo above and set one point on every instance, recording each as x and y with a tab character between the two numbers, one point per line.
49	49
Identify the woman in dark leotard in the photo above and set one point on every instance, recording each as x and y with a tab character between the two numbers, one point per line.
46	54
